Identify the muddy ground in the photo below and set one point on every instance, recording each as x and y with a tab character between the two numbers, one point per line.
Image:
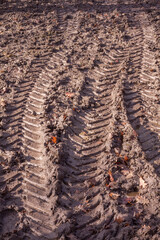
79	120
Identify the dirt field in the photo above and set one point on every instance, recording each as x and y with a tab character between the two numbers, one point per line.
79	119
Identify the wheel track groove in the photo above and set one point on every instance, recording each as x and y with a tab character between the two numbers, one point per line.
141	99
15	113
36	174
84	153
35	177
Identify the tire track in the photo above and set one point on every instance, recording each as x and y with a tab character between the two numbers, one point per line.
88	141
11	180
141	91
36	202
13	158
37	176
150	93
40	183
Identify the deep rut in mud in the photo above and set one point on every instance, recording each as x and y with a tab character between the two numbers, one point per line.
80	131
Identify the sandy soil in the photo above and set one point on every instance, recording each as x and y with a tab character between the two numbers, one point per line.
79	120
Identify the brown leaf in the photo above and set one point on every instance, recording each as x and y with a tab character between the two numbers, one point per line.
2	102
137	215
142	200
130	175
142	183
119	220
135	133
107	185
128	200
133	194
54	139
121	133
64	117
114	196
125	158
110	176
84	135
117	151
69	94
92	182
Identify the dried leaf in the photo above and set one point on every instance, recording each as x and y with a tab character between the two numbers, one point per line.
119	220
114	196
125	158
137	215
84	135
100	141
2	102
64	117
117	151
54	140
92	183
130	175
142	200
142	183
128	200
119	160
121	133
23	211
107	185
125	172
69	94
110	175
135	133
133	194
